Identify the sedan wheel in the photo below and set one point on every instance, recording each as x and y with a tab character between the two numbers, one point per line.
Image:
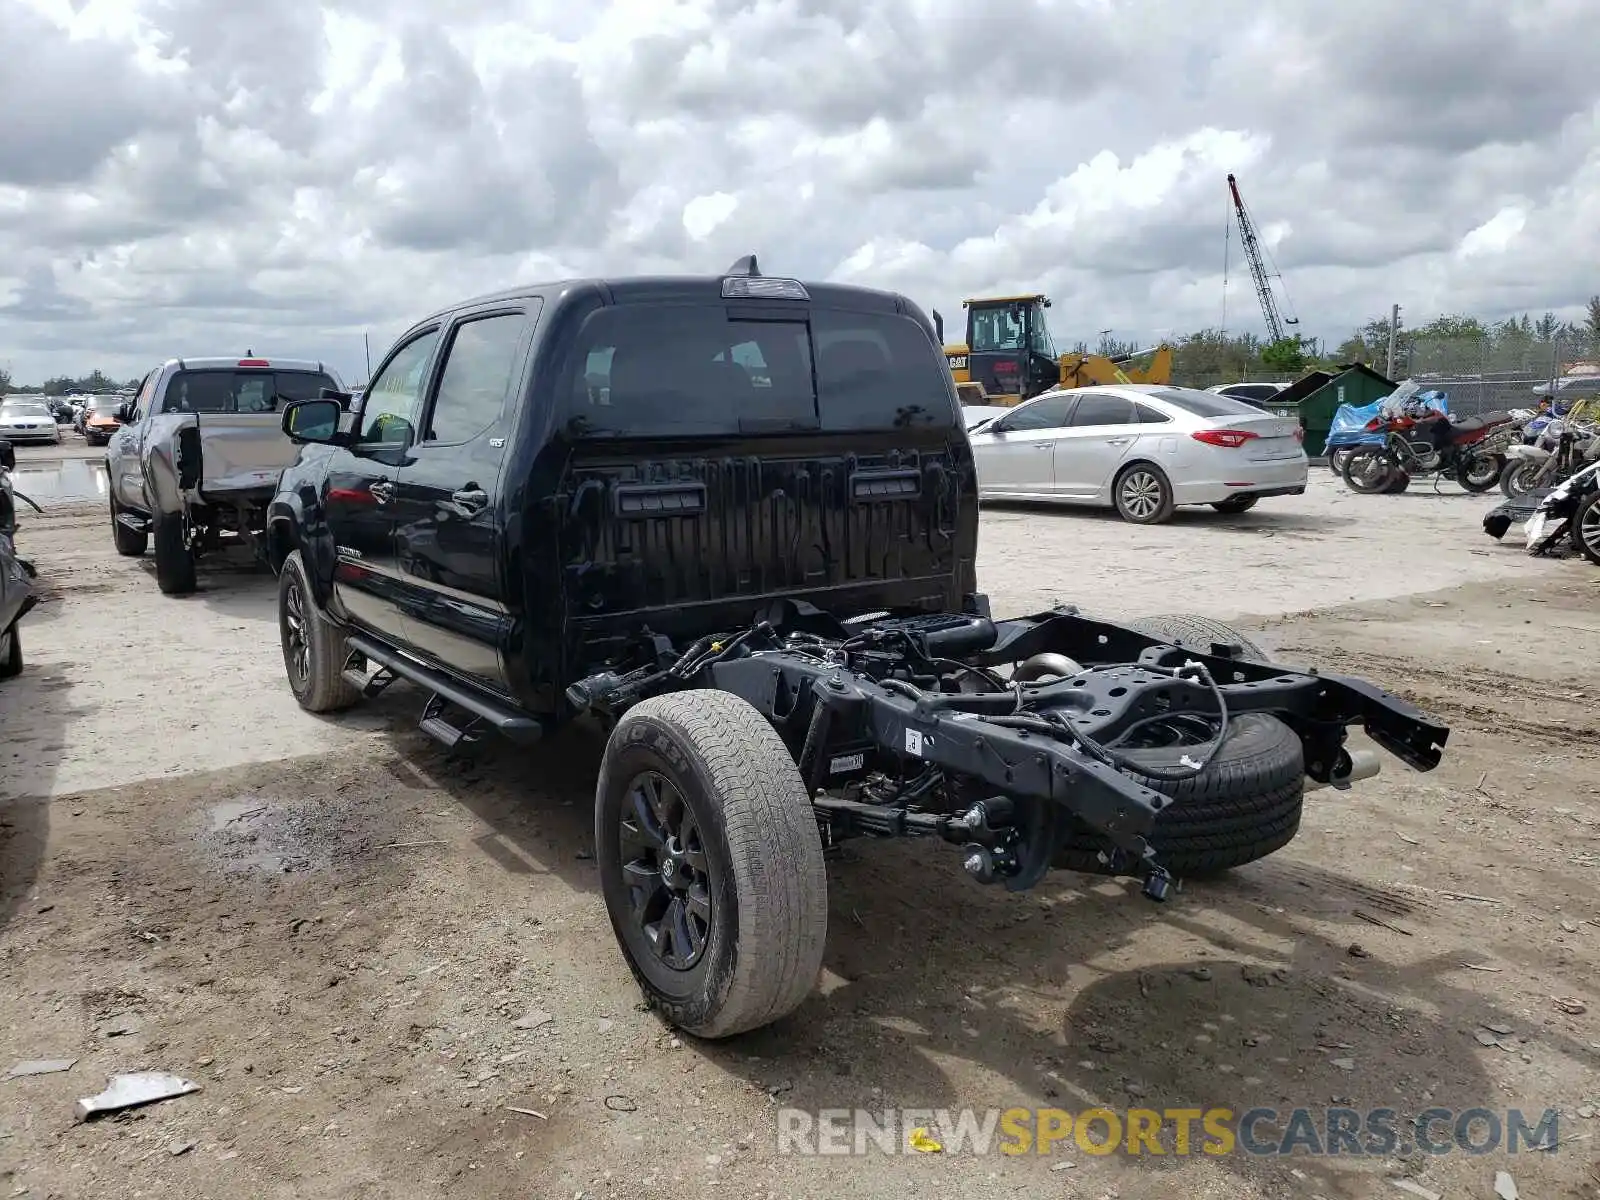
1143	495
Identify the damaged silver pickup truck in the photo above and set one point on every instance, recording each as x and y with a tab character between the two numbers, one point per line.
199	455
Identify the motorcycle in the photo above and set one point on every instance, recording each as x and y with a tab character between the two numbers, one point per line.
1562	445
1421	438
1571	509
17	596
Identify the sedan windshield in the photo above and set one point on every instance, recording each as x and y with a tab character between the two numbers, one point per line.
104	404
13	410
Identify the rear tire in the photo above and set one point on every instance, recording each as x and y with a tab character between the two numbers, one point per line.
314	651
702	823
1236	504
130	543
1143	495
1397	484
175	573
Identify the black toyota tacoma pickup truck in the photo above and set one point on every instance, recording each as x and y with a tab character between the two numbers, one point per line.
735	519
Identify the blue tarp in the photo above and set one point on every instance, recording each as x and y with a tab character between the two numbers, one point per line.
1350	421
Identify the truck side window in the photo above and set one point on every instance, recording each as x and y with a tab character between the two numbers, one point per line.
478	371
393	402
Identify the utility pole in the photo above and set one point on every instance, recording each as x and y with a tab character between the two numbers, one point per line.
366	344
1394	327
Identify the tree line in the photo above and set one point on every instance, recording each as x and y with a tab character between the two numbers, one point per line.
1453	344
66	385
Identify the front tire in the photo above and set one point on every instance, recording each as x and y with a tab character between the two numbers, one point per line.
314	651
1143	495
175	571
710	863
1480	472
1368	472
1520	477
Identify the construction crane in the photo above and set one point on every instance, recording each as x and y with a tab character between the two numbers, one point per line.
1258	268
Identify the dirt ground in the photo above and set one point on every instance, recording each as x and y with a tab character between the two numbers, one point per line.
368	954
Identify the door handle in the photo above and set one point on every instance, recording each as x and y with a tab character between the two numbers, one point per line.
382	491
1118	441
470	498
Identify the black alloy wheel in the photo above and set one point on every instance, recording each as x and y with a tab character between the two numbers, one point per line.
665	868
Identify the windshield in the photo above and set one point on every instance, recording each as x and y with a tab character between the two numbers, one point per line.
104	404
24	408
690	370
998	328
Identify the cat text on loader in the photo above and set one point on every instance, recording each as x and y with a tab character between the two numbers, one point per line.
1009	357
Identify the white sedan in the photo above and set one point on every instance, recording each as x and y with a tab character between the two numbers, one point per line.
28	421
1142	449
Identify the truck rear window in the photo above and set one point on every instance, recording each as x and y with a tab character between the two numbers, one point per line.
690	370
241	391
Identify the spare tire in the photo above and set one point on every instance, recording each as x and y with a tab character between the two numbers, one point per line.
1243	806
1197	633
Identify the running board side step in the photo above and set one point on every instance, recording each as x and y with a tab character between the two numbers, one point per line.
484	710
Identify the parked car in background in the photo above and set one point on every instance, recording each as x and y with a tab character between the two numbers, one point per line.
100	419
1141	449
200	457
28	420
973	415
1251	393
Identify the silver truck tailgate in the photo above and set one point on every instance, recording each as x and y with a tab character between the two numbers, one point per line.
242	451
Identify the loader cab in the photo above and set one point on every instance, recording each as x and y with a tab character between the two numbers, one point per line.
1008	349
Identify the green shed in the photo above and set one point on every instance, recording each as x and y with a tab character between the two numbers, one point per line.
1313	400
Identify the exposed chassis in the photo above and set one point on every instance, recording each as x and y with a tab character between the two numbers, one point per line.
872	707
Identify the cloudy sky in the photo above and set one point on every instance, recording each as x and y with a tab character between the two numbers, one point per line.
199	176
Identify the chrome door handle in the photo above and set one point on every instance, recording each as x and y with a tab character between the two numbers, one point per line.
382	491
470	498
1118	441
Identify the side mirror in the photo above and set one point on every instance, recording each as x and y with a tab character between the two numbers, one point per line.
8	455
313	420
124	412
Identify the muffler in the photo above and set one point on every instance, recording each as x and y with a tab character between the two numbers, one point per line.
1353	766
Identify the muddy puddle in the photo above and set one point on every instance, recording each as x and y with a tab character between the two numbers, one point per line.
270	835
61	481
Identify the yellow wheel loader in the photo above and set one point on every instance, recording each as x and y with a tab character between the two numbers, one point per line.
1009	357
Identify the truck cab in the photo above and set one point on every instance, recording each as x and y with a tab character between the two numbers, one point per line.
1008	350
531	479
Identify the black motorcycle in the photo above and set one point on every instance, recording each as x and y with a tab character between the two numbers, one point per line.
1472	451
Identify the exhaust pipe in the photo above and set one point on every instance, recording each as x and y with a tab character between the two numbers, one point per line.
1353	766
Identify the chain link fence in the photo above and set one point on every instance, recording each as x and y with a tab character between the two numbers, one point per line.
1484	375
